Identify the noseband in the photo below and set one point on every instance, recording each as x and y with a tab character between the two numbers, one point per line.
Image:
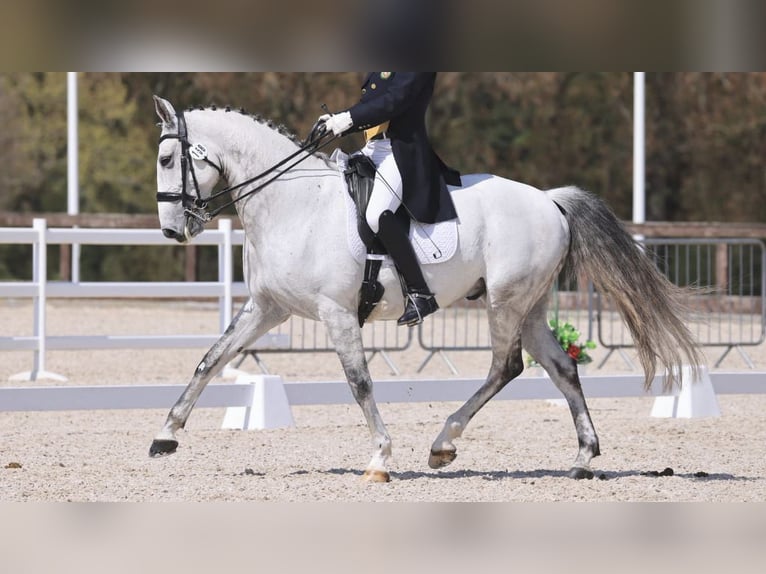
188	154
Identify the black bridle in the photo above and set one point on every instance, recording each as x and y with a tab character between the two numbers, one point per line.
187	200
197	207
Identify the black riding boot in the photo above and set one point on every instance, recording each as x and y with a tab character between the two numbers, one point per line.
420	301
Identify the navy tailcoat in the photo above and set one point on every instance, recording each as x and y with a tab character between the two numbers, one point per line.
402	98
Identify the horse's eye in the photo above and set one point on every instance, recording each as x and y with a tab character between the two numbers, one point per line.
165	160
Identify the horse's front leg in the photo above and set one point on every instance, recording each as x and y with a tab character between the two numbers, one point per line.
250	323
347	337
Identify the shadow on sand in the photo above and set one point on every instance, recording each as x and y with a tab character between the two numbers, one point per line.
545	473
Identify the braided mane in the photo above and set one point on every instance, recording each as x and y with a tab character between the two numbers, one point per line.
279	128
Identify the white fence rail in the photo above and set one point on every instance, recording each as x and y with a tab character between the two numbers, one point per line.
467	326
225	289
40	289
297	335
260	407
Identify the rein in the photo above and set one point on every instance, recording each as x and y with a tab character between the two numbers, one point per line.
197	207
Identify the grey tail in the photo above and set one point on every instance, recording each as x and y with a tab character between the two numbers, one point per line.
651	306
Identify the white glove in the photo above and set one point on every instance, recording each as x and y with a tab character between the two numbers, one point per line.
337	123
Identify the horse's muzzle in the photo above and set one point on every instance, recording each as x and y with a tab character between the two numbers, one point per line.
173	234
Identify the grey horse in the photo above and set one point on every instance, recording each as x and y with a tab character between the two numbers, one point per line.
513	240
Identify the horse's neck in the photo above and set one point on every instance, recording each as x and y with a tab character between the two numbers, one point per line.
287	197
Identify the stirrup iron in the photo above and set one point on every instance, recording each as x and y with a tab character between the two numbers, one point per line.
418	306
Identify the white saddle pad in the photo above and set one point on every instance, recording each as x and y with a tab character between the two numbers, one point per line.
432	242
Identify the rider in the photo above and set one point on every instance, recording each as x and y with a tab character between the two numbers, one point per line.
392	113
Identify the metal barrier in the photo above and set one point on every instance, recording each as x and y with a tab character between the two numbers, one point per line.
305	336
727	282
729	306
297	335
460	327
464	326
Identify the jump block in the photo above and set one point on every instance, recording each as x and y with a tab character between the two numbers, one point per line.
269	407
695	399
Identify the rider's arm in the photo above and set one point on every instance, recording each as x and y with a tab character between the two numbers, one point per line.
399	93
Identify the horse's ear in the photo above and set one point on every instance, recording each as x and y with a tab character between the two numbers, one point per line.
165	110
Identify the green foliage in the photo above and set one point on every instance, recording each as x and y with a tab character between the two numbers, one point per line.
568	337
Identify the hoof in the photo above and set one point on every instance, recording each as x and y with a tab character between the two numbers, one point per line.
442	458
376	476
579	473
162	448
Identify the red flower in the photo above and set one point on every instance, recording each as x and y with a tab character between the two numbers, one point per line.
573	351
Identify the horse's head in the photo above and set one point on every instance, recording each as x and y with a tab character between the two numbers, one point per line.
186	175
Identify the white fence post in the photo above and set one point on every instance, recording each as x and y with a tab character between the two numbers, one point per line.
226	278
225	272
40	278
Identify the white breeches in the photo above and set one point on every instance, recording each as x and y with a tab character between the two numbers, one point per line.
387	191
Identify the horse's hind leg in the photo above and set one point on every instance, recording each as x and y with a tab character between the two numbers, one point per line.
507	364
344	331
562	369
250	323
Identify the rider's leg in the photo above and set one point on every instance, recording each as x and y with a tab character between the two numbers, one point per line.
420	301
384	201
387	191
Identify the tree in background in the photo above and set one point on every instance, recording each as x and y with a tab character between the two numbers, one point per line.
35	177
705	132
723	125
115	161
116	165
117	168
706	135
